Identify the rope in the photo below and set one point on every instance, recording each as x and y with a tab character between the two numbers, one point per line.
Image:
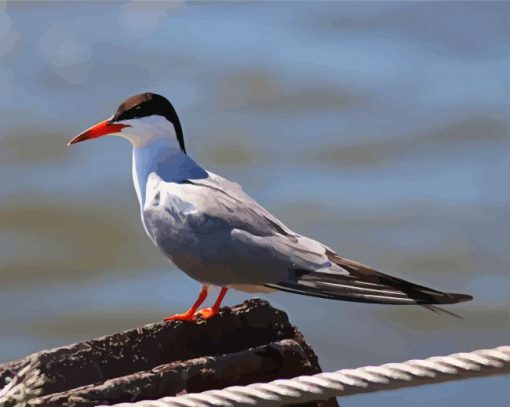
346	382
25	385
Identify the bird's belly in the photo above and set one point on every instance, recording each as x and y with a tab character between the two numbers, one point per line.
205	247
210	260
210	257
203	253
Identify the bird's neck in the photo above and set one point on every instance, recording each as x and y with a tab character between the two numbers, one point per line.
164	157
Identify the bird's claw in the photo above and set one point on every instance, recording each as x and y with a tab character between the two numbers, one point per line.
206	313
186	316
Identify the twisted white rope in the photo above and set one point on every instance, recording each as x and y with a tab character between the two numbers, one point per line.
346	382
25	385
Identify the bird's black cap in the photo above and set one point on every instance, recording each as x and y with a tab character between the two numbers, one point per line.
149	104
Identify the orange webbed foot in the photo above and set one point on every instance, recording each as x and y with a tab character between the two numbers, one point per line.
206	313
185	316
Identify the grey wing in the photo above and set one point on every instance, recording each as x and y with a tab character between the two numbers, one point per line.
218	234
242	243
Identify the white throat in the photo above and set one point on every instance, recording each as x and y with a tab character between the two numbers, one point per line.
145	130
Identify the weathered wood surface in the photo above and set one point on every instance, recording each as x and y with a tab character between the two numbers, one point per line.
248	343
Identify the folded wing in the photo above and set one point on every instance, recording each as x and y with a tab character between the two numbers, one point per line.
248	245
363	284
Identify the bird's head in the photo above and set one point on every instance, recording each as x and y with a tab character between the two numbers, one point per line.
140	119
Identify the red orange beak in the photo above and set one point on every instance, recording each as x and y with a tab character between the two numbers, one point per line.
98	130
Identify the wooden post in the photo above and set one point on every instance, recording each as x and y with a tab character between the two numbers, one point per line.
248	343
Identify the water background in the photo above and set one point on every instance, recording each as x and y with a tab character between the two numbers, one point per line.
381	129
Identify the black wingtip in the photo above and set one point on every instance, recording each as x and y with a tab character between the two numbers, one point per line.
455	298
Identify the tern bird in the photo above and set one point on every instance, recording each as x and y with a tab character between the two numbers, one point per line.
218	235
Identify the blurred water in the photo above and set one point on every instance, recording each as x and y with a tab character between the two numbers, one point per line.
379	128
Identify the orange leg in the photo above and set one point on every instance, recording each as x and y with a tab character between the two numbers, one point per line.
189	314
209	312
